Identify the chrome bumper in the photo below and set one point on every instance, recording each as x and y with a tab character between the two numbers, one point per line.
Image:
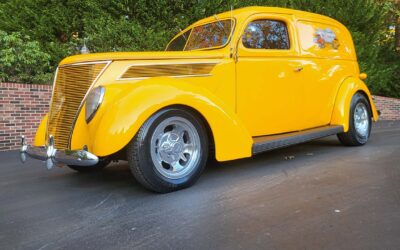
52	156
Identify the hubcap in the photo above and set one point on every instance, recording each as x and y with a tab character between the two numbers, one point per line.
361	119
175	147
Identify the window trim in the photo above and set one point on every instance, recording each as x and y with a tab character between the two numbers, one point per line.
273	20
176	37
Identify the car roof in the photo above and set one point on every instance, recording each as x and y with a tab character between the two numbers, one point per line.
248	11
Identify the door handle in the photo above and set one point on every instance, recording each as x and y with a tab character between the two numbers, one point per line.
298	69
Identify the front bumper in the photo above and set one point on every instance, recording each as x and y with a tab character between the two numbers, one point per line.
52	156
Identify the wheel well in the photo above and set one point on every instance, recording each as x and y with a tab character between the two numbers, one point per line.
121	155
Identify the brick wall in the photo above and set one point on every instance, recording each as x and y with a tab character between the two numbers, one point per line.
389	107
22	106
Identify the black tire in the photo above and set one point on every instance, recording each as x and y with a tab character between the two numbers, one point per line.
103	162
352	137
140	159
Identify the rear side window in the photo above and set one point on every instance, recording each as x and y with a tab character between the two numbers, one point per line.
266	34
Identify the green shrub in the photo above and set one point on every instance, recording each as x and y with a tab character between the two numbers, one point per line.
107	34
60	27
22	60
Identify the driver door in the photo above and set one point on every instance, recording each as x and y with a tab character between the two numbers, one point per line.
269	73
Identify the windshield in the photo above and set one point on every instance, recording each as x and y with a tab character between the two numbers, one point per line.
210	35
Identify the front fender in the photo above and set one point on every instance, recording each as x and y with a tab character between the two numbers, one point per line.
341	110
40	136
130	108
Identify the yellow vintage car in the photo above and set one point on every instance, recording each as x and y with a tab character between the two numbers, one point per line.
229	86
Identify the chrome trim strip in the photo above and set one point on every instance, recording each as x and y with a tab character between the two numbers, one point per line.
181	76
119	78
173	63
51	101
84	98
84	63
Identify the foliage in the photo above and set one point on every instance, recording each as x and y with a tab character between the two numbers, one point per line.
106	34
61	27
22	59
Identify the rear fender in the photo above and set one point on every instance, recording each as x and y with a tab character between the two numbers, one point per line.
341	110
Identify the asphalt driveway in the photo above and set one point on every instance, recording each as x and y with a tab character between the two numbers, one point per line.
318	195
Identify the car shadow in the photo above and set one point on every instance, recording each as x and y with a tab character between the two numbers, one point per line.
118	176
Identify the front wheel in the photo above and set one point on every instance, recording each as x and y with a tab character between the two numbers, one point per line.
360	122
170	150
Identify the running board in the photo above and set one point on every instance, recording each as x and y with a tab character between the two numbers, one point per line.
271	142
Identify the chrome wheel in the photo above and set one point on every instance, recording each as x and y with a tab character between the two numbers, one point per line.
360	122
361	119
175	147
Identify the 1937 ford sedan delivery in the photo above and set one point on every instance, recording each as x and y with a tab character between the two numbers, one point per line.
228	86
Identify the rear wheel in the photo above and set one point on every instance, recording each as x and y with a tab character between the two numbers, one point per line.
359	123
169	151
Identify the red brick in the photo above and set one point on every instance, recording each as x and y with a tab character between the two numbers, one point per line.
21	112
29	103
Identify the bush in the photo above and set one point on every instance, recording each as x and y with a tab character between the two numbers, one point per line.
107	34
60	27
22	60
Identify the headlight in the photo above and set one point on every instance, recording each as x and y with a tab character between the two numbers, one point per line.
93	101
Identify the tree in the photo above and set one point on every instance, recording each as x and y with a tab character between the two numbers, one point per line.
60	27
397	25
21	59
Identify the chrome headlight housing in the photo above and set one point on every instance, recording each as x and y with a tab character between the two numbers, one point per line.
93	102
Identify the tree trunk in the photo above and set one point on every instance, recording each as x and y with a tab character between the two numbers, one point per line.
397	26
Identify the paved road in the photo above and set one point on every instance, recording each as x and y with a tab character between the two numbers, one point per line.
327	197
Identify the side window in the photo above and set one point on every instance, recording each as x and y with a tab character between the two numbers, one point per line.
266	34
209	35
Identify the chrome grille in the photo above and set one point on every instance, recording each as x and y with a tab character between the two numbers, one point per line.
70	87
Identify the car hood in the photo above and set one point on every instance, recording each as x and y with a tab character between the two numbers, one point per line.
156	55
